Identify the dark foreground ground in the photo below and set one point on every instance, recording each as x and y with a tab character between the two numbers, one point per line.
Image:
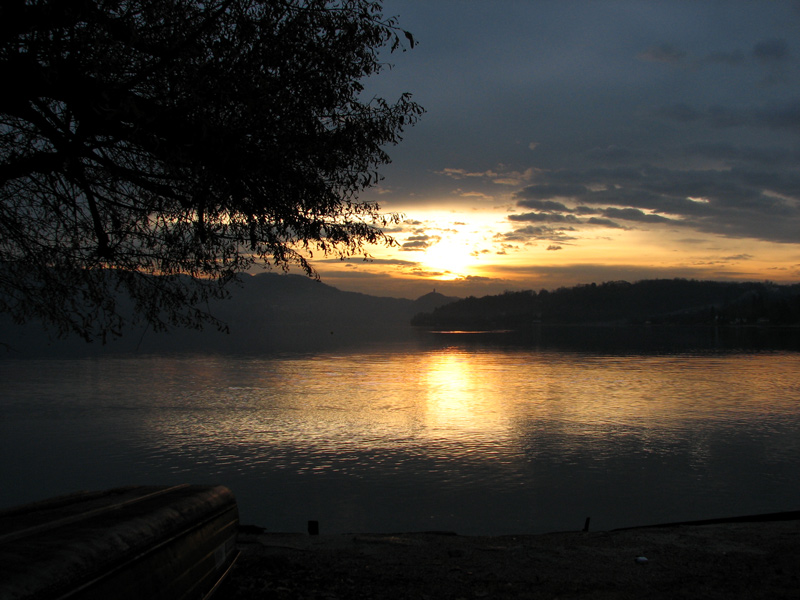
738	560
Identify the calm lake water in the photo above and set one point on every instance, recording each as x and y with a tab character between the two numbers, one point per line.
456	432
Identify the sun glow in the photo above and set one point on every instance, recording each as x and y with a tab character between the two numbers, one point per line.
479	250
452	257
453	246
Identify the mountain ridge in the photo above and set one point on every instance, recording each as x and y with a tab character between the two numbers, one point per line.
265	312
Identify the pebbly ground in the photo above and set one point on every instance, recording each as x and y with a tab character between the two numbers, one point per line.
725	561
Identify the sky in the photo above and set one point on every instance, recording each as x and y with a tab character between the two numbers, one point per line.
574	142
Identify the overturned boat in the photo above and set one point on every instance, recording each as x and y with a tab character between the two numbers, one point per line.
152	542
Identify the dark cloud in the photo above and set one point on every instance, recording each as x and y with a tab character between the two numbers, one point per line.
771	51
463	173
608	214
553	247
743	155
544	218
738	257
745	200
535	233
783	117
604	223
663	53
767	52
548	191
414	246
733	58
586	179
352	261
624	193
634	214
417	243
648	188
543	205
585	210
680	112
617	153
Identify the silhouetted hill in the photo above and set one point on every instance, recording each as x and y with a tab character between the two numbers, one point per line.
432	300
659	301
266	312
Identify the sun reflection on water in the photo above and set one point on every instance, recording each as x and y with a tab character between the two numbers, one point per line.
459	401
380	430
462	399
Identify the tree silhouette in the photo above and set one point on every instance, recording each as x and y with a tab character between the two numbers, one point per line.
150	150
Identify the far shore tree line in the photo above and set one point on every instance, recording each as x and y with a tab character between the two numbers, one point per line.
656	302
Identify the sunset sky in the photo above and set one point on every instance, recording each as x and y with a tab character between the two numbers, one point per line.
575	142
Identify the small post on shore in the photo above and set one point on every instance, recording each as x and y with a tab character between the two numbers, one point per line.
586	524
313	528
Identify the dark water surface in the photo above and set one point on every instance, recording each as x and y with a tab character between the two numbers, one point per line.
479	434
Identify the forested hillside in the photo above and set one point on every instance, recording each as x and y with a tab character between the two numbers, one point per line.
659	301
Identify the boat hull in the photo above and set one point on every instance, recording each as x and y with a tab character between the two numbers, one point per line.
153	542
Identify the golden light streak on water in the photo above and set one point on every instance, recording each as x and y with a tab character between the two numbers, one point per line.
463	398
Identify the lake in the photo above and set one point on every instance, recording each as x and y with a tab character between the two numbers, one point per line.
478	434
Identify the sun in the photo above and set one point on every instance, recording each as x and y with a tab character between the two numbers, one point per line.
450	257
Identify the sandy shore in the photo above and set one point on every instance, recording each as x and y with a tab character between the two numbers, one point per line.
738	560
